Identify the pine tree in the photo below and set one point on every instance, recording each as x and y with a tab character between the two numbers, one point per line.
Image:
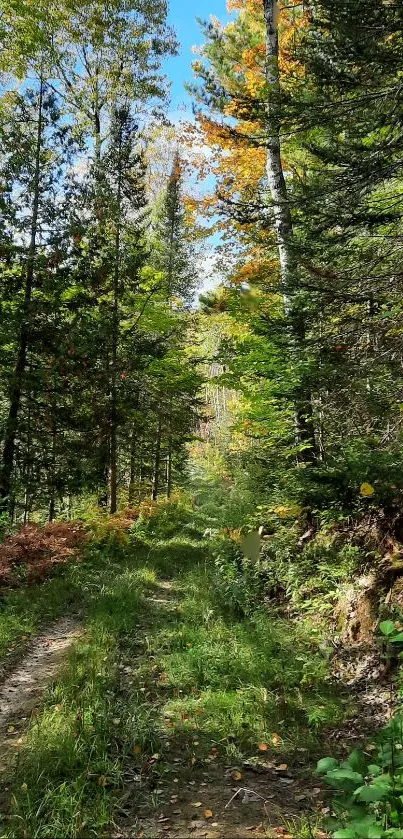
172	252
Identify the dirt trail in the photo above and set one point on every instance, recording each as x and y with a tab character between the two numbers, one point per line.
21	690
216	798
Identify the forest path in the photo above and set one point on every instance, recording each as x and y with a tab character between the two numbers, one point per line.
201	793
174	716
22	689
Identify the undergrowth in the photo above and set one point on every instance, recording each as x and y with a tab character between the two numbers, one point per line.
162	671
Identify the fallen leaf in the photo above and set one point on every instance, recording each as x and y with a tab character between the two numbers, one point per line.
276	739
102	781
197	804
137	750
236	775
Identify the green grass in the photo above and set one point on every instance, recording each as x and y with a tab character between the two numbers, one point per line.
175	678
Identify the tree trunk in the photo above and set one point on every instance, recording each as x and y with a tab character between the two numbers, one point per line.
132	479
52	473
115	335
169	457
169	471
157	462
27	477
23	341
283	222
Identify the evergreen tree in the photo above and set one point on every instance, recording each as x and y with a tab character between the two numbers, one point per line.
172	252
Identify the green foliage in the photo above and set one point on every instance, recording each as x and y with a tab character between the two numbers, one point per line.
160	667
369	787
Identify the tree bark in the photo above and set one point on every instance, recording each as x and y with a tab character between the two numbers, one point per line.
283	222
115	335
169	470
132	478
157	462
23	341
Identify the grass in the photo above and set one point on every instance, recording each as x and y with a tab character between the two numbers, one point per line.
150	681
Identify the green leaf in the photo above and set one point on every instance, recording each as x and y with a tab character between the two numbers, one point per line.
357	761
387	627
374	792
326	764
366	828
397	639
374	769
345	775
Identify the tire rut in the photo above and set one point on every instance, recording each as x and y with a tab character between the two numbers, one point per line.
22	689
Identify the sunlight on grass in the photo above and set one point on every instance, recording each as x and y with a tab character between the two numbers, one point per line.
162	669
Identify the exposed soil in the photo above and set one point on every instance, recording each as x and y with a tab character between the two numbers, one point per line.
21	690
211	806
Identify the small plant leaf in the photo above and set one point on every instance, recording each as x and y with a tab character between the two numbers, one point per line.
374	769
326	764
357	761
397	639
374	792
344	777
387	627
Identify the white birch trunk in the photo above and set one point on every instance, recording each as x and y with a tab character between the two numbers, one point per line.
283	223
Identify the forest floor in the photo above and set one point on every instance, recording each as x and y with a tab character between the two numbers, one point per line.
23	688
158	712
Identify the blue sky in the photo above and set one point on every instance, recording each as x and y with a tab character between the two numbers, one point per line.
182	16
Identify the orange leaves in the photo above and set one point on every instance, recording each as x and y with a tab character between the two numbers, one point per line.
39	549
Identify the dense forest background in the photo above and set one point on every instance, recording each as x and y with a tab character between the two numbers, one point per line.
262	419
101	236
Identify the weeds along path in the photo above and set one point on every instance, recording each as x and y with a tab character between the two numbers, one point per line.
22	690
175	715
